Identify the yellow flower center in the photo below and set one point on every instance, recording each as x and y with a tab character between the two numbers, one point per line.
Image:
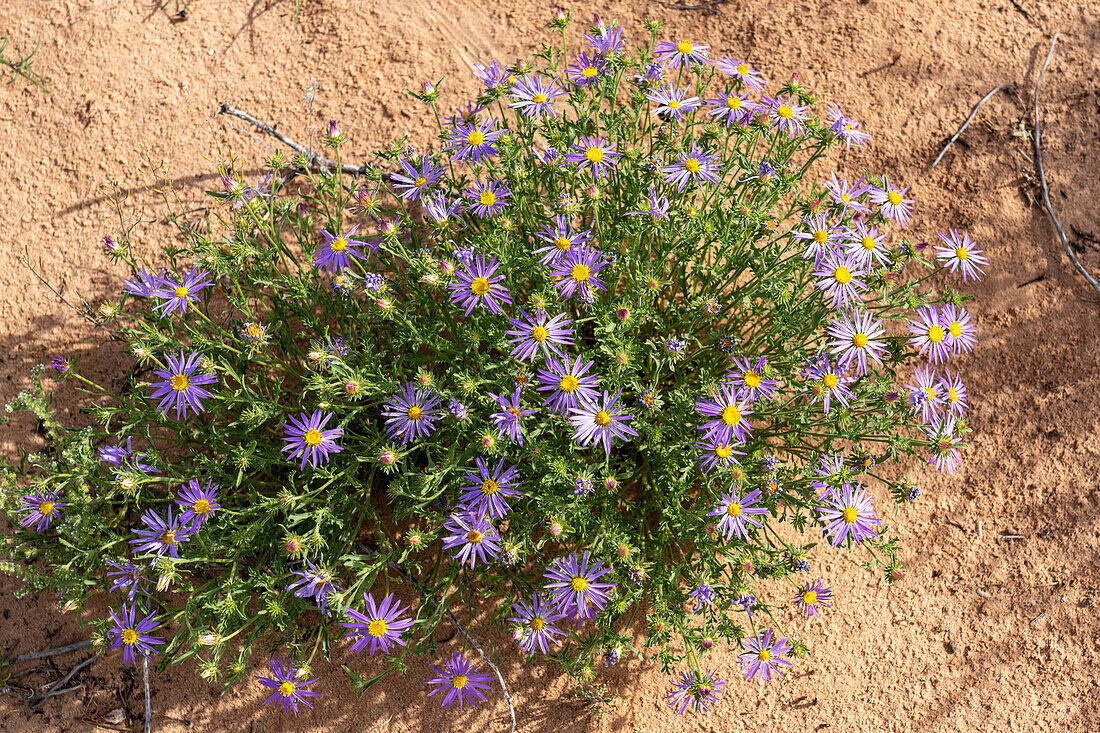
479	286
849	515
168	538
562	243
515	412
568	383
181	292
180	382
821	236
764	655
578	583
733	102
419	182
313	437
935	334
691	165
539	333
339	244
673	104
955	329
537	623
602	418
588	72
859	340
731	415
286	689
474	537
489	487
459	681
593	155
202	506
487	198
723	451
842	275
415	412
868	243
809	598
830	380
377	627
894	198
683	47
46	508
580	273
742	69
953	395
785	112
734	510
961	253
254	330
129	636
538	98
476	137
845	198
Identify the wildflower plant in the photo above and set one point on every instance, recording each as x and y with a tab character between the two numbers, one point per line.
607	366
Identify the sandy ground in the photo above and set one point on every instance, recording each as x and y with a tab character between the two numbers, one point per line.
985	634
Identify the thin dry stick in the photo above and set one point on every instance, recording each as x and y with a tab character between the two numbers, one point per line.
462	629
50	652
1037	142
42	698
701	6
148	699
966	124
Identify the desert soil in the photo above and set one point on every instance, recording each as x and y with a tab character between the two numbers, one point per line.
985	633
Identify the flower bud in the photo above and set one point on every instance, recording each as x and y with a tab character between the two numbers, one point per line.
623	314
387	458
110	245
208	639
352	387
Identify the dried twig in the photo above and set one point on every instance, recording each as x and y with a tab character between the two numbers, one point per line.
462	629
884	67
1037	142
966	124
701	6
50	652
42	698
148	699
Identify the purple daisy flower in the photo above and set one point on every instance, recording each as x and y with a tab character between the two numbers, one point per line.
732	108
177	296
594	151
866	246
892	203
749	380
848	513
381	626
492	76
962	334
41	507
682	54
716	452
696	167
487	198
60	364
411	183
474	534
131	634
729	412
847	197
477	284
288	685
736	514
925	394
741	71
577	272
307	437
181	385
196	502
703	595
129	577
846	128
960	254
316	583
509	420
594	422
658	206
789	116
586	70
812	597
161	535
830	381
535	97
486	497
819	237
473	140
460	678
561	238
576	587
857	336
943	442
144	283
695	690
534	335
671	102
606	40
838	277
954	393
534	622
831	473
569	384
438	208
762	657
929	335
125	457
410	413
